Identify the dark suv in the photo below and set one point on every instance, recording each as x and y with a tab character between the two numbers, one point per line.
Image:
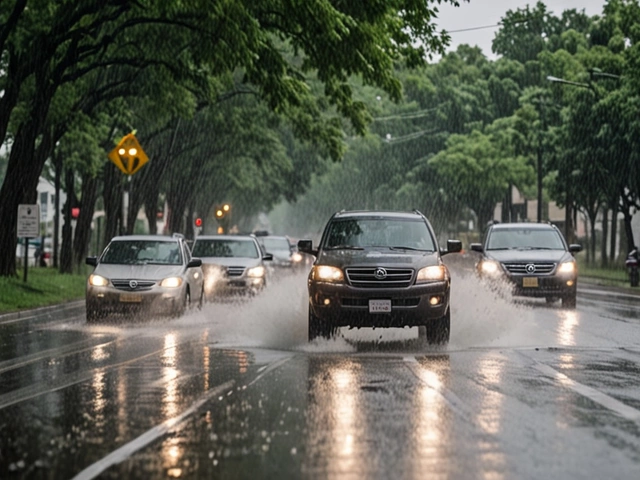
379	269
533	258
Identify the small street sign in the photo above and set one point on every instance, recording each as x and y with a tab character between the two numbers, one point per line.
28	221
128	155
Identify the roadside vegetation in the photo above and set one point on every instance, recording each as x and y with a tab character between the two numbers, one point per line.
44	286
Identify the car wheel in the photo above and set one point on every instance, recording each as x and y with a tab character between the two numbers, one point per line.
201	301
184	305
569	301
438	330
319	328
93	315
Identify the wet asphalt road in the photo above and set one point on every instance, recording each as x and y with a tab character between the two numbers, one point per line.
523	390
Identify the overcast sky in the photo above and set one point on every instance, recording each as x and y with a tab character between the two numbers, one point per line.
484	13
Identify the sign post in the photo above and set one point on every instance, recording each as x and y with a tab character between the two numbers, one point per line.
129	157
28	227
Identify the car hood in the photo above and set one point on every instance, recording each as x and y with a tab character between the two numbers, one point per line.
555	256
139	272
375	257
230	261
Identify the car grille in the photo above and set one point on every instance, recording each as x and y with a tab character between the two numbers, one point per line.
521	268
395	302
364	277
124	284
235	271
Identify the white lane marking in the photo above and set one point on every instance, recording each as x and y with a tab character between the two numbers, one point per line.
431	380
597	396
122	453
269	368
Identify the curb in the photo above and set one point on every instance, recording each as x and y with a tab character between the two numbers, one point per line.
25	314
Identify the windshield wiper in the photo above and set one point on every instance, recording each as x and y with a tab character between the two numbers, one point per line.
397	247
344	247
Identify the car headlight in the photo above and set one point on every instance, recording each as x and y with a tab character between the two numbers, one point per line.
296	257
98	281
256	272
489	267
567	267
171	282
327	273
434	273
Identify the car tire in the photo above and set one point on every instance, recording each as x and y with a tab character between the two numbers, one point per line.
184	305
569	301
94	313
318	327
201	301
438	329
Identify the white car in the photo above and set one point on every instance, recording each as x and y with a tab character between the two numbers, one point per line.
144	274
232	264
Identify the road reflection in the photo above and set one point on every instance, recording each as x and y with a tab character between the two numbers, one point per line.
489	417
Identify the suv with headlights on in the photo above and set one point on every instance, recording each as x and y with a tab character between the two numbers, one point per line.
533	258
379	269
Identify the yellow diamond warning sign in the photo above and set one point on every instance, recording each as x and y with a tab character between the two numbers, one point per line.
128	155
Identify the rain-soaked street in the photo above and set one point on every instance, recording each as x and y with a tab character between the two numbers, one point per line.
524	390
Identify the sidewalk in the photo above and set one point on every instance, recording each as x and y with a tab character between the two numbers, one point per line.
595	286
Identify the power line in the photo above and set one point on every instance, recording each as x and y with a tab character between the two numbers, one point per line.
474	28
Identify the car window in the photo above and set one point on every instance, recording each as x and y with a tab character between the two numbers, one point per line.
525	238
225	248
379	232
275	244
135	252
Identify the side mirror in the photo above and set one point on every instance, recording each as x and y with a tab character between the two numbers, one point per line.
476	247
194	262
267	256
453	246
306	246
93	261
575	248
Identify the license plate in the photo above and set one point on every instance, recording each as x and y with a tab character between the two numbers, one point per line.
130	298
530	282
379	306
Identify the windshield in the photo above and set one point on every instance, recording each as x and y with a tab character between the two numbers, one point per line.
225	248
527	238
379	232
276	243
140	252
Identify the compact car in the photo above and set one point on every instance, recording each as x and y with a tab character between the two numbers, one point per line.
379	269
144	274
232	265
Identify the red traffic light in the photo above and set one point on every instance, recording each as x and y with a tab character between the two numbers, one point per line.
198	222
75	212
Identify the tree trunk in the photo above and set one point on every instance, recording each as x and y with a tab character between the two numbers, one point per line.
614	232
82	235
112	196
605	234
66	257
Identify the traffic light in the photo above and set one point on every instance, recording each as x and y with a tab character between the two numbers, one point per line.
198	222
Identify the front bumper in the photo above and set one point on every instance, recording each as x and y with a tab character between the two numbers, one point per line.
157	300
233	287
342	305
542	286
